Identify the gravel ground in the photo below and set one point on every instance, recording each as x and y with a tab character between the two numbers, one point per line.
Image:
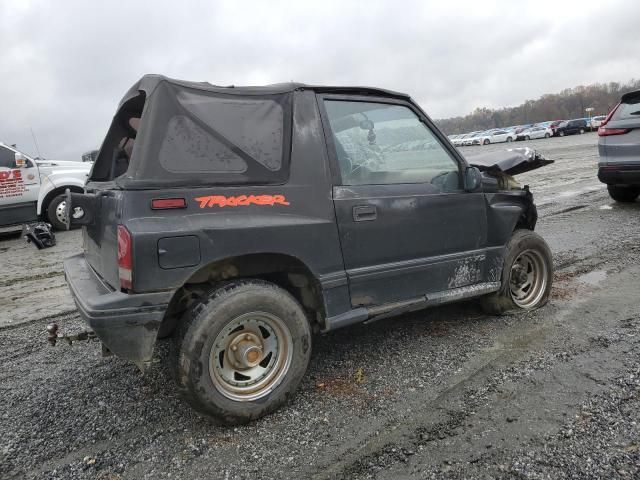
444	393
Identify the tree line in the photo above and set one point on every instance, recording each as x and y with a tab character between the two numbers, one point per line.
568	104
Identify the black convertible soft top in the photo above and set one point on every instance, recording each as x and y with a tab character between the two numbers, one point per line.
183	133
149	82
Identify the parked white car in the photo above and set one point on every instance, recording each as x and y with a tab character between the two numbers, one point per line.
468	139
494	136
535	132
32	190
597	121
455	140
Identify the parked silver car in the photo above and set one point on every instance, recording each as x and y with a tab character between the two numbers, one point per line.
535	132
619	148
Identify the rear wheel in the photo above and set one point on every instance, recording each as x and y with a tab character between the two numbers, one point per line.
527	137
581	131
509	139
623	194
561	134
527	274
546	135
242	351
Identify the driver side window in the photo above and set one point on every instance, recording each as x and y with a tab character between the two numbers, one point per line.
378	144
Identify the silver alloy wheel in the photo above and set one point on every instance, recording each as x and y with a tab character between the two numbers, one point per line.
60	212
250	356
528	279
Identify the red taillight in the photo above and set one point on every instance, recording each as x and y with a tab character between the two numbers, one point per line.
167	203
125	258
605	132
608	117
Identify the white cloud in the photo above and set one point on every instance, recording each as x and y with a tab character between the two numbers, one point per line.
65	65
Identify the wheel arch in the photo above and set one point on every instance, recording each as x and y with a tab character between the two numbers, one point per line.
283	270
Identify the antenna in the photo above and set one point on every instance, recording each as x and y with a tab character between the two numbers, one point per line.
33	135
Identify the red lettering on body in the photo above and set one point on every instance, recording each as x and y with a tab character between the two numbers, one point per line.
240	201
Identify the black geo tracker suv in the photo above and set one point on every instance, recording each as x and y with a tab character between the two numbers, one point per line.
239	220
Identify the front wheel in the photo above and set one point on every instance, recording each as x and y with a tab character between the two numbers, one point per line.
623	194
509	139
546	135
561	134
486	142
581	131
527	274
527	137
242	351
56	213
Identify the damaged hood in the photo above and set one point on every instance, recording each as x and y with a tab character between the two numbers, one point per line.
512	161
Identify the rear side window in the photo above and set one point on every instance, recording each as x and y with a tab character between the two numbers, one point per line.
187	147
231	130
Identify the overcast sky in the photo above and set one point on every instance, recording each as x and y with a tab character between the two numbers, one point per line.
64	65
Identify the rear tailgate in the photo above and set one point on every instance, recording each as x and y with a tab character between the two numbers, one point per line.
100	237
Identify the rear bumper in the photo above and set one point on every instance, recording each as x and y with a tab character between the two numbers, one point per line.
620	174
127	324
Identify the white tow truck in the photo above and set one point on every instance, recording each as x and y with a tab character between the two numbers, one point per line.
33	189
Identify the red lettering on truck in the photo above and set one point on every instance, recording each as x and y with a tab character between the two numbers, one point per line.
6	175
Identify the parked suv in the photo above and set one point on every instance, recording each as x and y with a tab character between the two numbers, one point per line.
571	127
619	148
239	220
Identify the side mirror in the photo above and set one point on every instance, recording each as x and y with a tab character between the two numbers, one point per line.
472	179
21	160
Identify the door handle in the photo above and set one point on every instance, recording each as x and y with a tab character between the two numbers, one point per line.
364	213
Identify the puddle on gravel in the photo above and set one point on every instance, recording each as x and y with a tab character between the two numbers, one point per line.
593	278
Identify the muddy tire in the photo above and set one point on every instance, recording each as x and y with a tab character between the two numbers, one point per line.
623	194
241	351
55	213
527	275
